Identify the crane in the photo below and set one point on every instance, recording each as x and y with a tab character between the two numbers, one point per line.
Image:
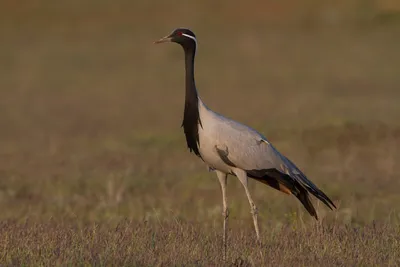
231	148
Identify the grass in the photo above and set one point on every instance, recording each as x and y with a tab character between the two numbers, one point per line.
93	164
180	243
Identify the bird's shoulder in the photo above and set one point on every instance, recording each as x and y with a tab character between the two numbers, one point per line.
236	129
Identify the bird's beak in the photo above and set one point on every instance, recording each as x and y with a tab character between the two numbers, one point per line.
164	40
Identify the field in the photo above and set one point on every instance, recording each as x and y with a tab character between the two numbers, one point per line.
94	168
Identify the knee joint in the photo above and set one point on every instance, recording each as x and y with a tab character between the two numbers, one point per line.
225	213
254	210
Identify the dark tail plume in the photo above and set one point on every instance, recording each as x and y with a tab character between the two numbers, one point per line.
303	196
287	184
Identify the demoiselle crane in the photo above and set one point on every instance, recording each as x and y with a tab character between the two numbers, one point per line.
229	147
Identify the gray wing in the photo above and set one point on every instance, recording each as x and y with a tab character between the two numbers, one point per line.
248	150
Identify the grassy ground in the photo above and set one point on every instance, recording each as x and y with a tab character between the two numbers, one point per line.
93	164
191	244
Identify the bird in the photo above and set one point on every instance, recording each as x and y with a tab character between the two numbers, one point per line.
229	147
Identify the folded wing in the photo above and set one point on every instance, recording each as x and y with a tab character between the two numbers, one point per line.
254	154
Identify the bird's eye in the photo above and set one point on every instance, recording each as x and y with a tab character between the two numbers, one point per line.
179	33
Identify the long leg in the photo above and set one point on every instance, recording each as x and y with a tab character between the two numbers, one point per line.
222	177
243	179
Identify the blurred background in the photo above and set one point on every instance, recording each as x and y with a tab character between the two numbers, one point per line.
91	109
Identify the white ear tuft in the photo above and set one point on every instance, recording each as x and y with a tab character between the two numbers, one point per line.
191	37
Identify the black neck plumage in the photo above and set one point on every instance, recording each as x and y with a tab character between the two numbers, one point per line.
191	117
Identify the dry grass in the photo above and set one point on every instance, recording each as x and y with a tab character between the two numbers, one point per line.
191	244
90	113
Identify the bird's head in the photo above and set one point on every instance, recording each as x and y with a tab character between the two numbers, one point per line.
182	36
